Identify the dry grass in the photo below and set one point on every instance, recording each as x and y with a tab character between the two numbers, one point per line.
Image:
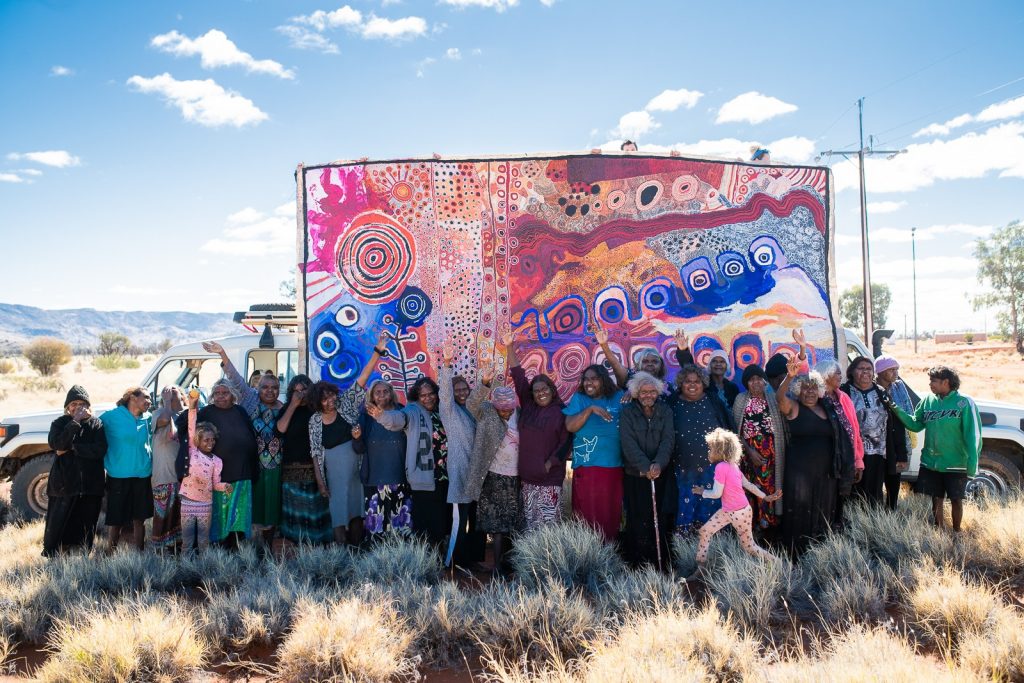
995	533
571	554
131	642
946	608
348	640
24	395
997	654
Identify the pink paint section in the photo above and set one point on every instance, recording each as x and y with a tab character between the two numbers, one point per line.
329	217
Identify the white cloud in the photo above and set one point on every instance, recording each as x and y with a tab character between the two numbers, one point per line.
884	207
370	28
11	178
453	53
59	70
477	52
972	155
499	5
902	235
29	171
753	107
1008	109
57	158
794	150
670	100
303	38
250	232
393	29
635	123
215	50
204	102
341	17
421	66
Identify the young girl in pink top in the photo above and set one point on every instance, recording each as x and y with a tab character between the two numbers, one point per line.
724	448
203	478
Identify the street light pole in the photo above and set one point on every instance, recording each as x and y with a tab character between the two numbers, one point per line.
862	153
913	258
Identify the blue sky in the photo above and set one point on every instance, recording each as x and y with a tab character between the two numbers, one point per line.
147	149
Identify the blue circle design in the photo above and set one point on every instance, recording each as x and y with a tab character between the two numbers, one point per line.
412	307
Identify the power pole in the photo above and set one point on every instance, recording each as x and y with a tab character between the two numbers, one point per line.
913	256
862	153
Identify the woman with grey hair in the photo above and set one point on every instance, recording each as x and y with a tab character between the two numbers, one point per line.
832	373
236	447
695	413
648	438
819	459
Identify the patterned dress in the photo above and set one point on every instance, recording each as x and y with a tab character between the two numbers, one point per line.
757	431
693	420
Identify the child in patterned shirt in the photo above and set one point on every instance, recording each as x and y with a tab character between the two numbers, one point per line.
202	480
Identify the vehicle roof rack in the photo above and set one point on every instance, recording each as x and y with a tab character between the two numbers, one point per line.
281	316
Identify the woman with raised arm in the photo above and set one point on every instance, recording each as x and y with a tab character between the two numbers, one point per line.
264	409
305	514
494	468
388	498
763	438
460	425
695	414
592	416
544	444
618	369
166	532
332	427
426	458
718	365
819	459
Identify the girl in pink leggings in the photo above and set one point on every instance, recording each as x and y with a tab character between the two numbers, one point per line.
724	449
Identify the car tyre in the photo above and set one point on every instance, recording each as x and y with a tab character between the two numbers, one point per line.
28	487
997	475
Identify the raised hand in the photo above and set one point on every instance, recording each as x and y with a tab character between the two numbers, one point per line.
213	347
374	411
793	367
487	374
799	337
447	355
507	337
681	340
601	335
382	339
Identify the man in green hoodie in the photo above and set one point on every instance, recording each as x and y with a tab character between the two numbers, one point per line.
951	444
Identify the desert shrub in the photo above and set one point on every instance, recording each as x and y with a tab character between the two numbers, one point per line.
861	654
756	593
45	355
847	585
995	532
895	538
318	564
7	366
216	568
659	646
39	384
348	640
113	344
512	621
443	617
997	654
114	363
571	554
643	591
946	608
129	642
396	558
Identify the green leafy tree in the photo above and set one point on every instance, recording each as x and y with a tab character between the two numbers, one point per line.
287	288
1001	270
114	344
45	355
851	305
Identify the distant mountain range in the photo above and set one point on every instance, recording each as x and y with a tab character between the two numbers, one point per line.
81	327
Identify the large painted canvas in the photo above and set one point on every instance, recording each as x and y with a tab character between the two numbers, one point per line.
736	254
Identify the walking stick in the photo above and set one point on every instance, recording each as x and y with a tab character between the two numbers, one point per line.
657	530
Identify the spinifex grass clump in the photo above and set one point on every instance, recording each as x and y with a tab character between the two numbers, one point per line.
570	554
997	653
995	532
848	584
397	558
131	641
347	640
320	564
946	608
643	591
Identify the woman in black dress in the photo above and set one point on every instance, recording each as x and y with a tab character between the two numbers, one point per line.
819	459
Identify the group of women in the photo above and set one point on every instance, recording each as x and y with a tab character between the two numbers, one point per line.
457	464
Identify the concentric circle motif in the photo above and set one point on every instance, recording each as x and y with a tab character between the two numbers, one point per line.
344	366
376	257
700	280
656	297
402	190
616	198
327	344
347	316
764	256
567	316
570	360
685	188
648	194
732	268
610	311
413	307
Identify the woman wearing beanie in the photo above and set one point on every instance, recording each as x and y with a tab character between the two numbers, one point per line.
75	487
899	441
494	468
762	435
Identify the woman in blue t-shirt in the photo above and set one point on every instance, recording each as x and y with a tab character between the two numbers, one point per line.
592	417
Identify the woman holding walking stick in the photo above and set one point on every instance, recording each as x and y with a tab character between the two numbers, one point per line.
648	439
